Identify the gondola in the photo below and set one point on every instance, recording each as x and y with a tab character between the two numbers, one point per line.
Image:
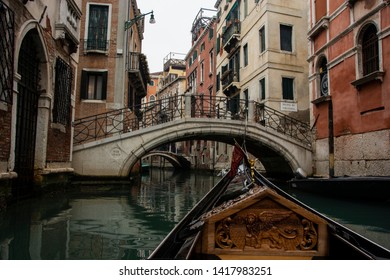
245	216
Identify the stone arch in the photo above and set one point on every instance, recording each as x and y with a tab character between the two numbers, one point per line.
31	33
258	142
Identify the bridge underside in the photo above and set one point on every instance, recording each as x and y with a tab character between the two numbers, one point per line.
115	156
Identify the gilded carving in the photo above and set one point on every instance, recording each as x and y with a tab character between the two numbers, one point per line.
258	229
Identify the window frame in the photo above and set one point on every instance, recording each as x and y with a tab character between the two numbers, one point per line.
286	47
292	93
245	52
262	39
262	88
363	76
85	82
86	32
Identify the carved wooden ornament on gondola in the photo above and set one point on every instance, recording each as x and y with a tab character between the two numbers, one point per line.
264	223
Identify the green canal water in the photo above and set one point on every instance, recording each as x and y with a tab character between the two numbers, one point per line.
127	220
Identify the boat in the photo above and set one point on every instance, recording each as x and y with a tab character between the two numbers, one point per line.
373	188
245	216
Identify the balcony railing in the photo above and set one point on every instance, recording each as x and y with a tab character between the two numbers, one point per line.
230	80
96	46
231	35
137	66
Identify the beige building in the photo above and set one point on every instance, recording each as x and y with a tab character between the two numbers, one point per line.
113	71
262	54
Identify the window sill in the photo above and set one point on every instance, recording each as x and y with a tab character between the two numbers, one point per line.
375	76
320	26
322	99
93	101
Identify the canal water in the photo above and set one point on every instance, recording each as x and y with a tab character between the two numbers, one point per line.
127	220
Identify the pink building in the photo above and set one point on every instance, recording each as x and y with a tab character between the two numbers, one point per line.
349	86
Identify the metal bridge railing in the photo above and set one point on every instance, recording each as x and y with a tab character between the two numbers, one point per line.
282	123
195	106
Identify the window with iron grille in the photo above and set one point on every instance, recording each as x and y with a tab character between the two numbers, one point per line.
62	92
370	52
288	88
97	38
93	85
7	21
286	38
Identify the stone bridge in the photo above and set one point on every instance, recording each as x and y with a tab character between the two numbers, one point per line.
110	144
177	161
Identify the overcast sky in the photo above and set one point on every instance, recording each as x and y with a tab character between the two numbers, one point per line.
172	30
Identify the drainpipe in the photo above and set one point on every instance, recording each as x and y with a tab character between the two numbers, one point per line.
331	139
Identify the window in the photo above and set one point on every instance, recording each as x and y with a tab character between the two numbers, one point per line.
202	47
98	28
262	89
323	71
202	72
370	50
286	38
246	97
211	33
7	38
94	85
262	39
245	55
62	92
288	88
245	8
211	61
218	82
152	98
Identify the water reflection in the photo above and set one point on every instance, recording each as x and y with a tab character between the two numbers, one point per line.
111	221
368	218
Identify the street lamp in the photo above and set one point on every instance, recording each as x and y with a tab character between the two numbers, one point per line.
129	23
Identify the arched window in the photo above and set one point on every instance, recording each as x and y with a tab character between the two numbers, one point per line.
370	50
323	77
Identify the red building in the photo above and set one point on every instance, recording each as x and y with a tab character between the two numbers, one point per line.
200	74
349	85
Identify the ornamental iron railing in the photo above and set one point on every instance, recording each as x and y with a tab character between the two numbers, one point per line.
195	106
7	29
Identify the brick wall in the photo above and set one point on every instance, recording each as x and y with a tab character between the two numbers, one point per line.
5	133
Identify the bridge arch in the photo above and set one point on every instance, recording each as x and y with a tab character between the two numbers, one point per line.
280	157
177	161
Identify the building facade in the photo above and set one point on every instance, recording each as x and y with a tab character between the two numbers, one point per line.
262	54
200	75
349	86
113	72
39	60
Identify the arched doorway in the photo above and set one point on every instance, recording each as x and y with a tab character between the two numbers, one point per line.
27	111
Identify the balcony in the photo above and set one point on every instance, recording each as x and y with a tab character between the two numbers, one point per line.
99	46
231	35
67	26
138	70
230	80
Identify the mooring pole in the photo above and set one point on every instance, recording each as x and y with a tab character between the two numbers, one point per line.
331	139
